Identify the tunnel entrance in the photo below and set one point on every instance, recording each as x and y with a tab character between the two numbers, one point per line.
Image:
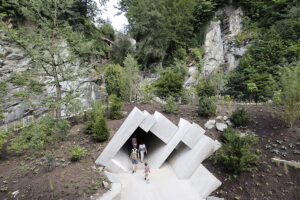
153	143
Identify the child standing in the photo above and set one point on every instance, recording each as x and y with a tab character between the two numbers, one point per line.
147	172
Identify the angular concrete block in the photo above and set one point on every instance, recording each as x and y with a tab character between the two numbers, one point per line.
182	122
192	136
164	129
131	123
148	122
162	153
204	182
185	160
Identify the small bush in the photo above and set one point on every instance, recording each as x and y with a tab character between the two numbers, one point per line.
63	126
205	88
236	153
115	107
3	136
49	161
184	98
77	153
98	110
170	106
240	117
206	107
100	129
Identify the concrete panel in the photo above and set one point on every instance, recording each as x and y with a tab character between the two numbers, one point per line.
131	123
185	160
162	153
182	122
193	135
163	128
204	182
148	122
122	161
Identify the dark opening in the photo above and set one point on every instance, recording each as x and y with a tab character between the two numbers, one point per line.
150	140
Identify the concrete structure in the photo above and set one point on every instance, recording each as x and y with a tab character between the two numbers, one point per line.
184	147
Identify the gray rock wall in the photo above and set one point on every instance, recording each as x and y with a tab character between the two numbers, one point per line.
14	61
221	49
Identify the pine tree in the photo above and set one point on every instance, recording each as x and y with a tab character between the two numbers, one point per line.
131	68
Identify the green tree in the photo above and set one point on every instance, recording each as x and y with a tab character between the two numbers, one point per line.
206	107
100	129
290	94
117	82
46	44
97	110
170	84
236	153
131	68
159	27
240	117
122	46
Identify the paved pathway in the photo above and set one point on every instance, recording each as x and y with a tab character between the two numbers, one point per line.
163	185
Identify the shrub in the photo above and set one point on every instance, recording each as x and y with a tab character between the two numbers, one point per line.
117	81
100	129
236	153
197	53
179	54
205	88
49	161
170	84
3	136
115	107
36	135
63	126
148	92
184	98
77	153
206	107
240	117
170	106
98	110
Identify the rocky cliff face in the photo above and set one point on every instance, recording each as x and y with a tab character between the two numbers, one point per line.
17	107
221	48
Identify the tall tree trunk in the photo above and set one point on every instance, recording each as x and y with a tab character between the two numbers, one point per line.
58	99
58	93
